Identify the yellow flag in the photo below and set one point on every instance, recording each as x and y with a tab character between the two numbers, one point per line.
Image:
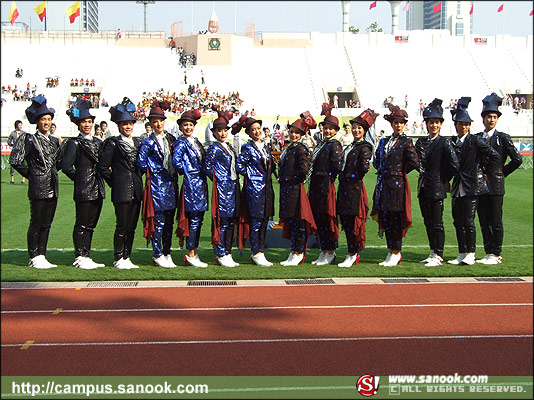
73	11
41	10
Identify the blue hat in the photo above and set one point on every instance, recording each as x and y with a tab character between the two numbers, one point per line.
460	114
433	110
490	104
37	109
80	111
123	111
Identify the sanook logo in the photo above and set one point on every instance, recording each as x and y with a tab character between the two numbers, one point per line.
367	385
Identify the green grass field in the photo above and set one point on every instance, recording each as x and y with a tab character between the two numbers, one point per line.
517	246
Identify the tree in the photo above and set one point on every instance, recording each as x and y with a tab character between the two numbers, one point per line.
353	29
373	28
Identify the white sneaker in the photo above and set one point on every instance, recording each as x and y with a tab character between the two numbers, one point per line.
38	263
394	260
349	261
328	259
86	263
431	255
296	260
121	264
195	261
168	258
236	264
226	261
260	260
289	259
320	259
47	263
435	261
493	260
129	263
485	259
458	260
161	261
388	257
469	259
98	265
77	260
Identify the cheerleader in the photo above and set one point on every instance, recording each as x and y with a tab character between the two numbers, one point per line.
220	167
256	165
295	211
188	160
352	203
325	165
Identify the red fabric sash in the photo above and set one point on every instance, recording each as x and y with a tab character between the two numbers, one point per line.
359	220
244	219
182	228
148	210
305	213
406	215
331	211
215	214
376	216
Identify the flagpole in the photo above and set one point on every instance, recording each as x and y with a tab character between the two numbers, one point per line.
192	7
30	29
235	17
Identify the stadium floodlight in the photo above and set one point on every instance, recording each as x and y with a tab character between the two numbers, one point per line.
144	6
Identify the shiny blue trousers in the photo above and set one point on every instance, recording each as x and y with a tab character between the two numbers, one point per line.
161	241
258	227
195	224
227	233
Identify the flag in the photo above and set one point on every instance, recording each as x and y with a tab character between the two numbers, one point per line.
531	13
41	10
73	11
436	8
13	13
372	5
406	6
500	8
471	10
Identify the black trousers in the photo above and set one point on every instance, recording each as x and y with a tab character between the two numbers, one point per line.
354	243
463	215
127	215
42	213
490	218
298	234
87	215
432	212
393	228
325	243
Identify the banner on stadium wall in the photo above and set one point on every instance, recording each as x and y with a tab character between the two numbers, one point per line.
479	40
401	39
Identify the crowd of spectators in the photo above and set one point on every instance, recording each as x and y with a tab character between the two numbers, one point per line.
52	82
186	60
20	94
82	82
94	98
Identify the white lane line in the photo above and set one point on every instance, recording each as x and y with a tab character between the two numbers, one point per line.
415	305
232	341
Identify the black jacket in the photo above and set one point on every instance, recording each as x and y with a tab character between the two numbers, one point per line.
117	165
79	164
502	143
438	163
292	170
34	157
474	152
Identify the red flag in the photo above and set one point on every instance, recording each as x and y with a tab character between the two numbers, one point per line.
182	229
406	6
500	8
215	213
436	8
471	10
373	5
331	212
73	11
531	13
13	13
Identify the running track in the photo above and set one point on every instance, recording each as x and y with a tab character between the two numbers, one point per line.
382	329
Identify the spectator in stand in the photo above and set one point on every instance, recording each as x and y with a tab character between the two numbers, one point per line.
104	103
34	157
414	128
146	133
202	77
119	33
13	136
76	82
105	131
72	82
53	128
92	82
98	132
34	90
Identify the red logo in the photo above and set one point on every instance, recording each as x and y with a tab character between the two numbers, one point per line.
367	385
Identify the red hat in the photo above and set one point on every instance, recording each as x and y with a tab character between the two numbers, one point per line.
191	116
329	118
221	122
396	113
365	119
305	122
244	122
158	109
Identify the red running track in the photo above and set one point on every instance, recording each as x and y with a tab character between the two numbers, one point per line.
380	329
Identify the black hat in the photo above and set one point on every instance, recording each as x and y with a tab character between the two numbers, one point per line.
80	111
433	110
460	114
123	112
37	109
490	104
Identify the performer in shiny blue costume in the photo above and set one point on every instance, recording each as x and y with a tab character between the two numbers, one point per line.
221	165
188	160
256	164
155	154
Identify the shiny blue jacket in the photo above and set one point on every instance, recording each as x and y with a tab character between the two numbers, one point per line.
218	162
163	184
259	188
190	164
